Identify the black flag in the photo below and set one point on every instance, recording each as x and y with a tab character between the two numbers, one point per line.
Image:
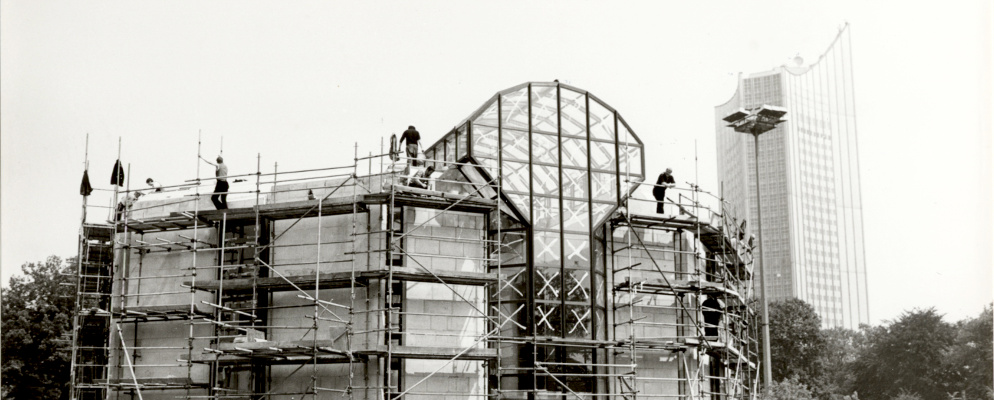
84	188
117	177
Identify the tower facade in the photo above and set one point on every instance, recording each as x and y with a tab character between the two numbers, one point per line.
809	183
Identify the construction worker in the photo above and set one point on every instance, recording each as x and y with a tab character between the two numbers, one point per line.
156	186
412	137
711	308
220	197
664	181
421	179
125	204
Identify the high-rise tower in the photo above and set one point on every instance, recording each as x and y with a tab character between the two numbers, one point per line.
810	183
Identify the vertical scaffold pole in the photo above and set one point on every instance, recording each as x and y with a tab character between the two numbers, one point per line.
388	317
79	278
499	246
112	272
631	278
193	271
255	249
317	297
349	328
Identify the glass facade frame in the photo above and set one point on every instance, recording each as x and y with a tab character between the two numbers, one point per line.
563	157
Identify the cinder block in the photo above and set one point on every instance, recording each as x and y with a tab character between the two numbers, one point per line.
451	248
469	266
414	306
439	323
438	307
418	322
424	246
443	263
468	221
444	231
458	324
419	291
472	250
473	293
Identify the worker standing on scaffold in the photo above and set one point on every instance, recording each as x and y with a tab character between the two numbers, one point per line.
412	137
220	197
659	191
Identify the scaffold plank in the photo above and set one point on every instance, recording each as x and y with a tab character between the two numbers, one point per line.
162	312
681	286
165	383
336	280
303	351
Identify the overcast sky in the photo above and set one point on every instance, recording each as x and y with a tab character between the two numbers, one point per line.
300	83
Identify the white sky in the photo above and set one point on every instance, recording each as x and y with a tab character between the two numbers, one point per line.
302	82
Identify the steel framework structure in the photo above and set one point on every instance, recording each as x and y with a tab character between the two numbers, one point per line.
367	281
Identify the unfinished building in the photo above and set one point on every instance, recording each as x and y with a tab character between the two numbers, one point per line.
530	265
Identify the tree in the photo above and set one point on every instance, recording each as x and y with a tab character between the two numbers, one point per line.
795	341
970	357
838	358
787	389
907	357
37	311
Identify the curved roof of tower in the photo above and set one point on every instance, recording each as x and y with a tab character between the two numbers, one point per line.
545	134
491	102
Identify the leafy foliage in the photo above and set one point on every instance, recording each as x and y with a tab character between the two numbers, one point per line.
918	356
905	395
970	358
838	359
907	357
787	389
37	311
796	342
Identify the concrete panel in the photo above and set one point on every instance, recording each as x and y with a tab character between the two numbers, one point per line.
295	321
159	362
296	250
465	380
155	276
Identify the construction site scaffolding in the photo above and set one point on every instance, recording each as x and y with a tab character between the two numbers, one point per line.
696	266
226	272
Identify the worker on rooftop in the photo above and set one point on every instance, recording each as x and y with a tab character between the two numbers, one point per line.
220	197
413	138
125	204
664	181
156	186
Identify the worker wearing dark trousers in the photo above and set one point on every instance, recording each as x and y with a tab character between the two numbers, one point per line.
412	137
711	308
220	197
659	191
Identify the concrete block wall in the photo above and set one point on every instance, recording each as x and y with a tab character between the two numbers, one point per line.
242	194
671	252
162	204
437	314
297	191
295	251
455	380
660	313
296	379
329	326
654	322
444	240
155	275
162	207
152	363
658	370
161	271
